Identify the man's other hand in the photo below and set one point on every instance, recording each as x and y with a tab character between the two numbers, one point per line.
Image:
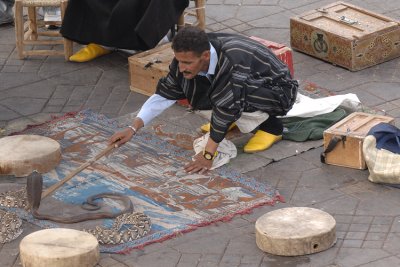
199	165
120	138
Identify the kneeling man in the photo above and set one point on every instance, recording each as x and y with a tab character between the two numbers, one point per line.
239	80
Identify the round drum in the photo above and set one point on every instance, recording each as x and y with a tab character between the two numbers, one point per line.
59	247
20	155
295	231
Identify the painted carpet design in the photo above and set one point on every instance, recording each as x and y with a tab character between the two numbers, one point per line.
150	171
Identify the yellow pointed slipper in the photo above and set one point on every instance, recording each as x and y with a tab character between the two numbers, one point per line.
89	52
206	127
261	141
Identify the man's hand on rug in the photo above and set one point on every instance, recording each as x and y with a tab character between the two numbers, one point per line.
121	137
199	165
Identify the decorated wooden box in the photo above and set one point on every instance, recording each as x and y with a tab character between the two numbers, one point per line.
346	35
343	141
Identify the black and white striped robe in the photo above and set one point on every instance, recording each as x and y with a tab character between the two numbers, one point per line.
248	77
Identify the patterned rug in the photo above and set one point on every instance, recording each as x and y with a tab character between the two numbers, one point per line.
150	171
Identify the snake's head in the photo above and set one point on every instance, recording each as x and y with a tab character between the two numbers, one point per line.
34	186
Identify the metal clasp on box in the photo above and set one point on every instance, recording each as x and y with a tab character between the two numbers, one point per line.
148	65
332	144
348	20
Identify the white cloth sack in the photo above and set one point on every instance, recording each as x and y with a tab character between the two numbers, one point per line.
309	107
226	150
303	107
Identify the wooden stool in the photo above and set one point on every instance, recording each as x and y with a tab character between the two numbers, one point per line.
27	33
198	12
59	247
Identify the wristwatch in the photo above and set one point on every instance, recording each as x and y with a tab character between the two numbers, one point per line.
208	155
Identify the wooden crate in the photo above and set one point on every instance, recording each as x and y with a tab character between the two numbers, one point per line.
148	67
346	138
346	35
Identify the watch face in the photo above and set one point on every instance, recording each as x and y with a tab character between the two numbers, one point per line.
208	156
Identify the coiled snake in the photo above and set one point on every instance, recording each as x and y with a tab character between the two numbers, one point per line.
10	226
10	223
128	225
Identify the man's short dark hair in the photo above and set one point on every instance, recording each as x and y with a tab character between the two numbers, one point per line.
191	39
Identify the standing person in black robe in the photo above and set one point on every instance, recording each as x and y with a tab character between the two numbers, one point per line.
239	80
122	24
6	11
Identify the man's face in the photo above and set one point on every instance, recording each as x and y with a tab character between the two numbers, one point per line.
191	64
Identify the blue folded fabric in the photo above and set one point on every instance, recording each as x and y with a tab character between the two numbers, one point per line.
387	137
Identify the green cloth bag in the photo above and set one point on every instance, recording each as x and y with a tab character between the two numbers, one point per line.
302	129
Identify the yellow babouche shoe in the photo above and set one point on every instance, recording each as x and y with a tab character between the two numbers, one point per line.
89	52
261	141
206	127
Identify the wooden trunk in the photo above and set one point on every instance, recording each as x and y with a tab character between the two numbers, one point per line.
148	67
346	35
345	139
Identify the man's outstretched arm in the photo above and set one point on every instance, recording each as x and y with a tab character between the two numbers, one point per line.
153	107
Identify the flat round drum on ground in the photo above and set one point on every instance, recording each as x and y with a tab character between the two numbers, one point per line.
59	247
295	231
20	155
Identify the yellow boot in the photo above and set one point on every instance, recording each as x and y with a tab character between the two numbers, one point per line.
89	52
261	141
206	127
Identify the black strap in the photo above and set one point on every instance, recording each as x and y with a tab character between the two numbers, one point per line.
332	144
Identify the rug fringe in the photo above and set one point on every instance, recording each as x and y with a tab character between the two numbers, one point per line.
166	237
227	218
54	118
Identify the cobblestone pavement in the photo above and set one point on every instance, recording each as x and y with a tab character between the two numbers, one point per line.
367	215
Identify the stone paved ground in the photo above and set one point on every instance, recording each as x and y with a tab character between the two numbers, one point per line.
367	215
